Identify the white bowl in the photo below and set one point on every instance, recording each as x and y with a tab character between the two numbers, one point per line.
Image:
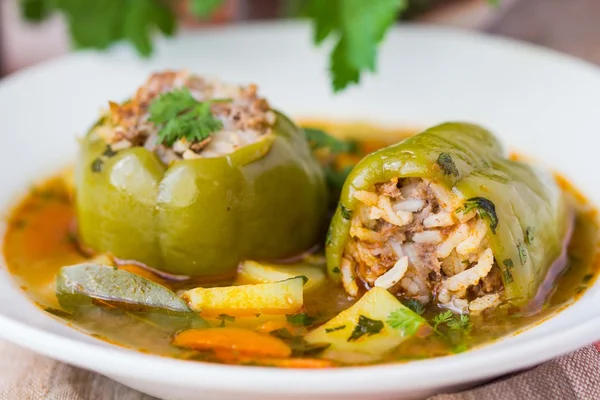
537	101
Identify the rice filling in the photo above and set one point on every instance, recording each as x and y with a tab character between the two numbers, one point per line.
412	237
246	118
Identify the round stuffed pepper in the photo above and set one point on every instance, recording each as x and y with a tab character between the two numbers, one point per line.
190	176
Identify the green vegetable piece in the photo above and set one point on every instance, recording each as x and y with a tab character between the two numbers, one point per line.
365	326
522	253
346	213
486	209
97	165
183	117
406	320
360	26
442	318
415	305
510	195
205	8
445	162
302	319
319	139
462	324
337	328
87	284
529	232
202	217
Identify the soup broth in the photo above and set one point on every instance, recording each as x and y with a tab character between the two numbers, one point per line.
41	238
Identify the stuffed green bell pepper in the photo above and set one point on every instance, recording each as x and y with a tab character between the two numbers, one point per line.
444	216
191	176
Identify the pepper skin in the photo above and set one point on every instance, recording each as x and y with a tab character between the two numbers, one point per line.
525	199
201	217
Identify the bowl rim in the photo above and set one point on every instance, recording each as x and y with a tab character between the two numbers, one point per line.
420	374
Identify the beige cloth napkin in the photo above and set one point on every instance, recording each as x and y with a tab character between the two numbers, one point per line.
27	376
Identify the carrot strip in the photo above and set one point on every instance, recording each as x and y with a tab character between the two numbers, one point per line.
243	341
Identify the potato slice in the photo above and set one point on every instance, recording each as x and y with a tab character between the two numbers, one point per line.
284	297
362	333
255	272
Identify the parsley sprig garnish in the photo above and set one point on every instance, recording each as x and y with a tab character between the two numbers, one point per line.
181	116
405	320
356	26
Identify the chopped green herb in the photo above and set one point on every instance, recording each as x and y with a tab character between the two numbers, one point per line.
300	319
508	263
205	8
225	317
459	348
97	165
257	315
365	326
181	116
19	224
529	234
58	313
405	320
486	209
328	238
337	328
447	165
336	270
109	152
303	348
441	318
415	305
463	324
282	333
587	278
522	253
508	278
346	214
319	139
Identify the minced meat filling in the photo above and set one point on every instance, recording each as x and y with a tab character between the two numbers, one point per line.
245	117
411	237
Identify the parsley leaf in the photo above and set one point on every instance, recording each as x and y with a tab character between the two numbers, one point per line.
346	213
441	318
415	305
365	326
529	234
97	165
182	116
447	165
462	324
359	27
98	24
522	253
300	319
486	209
205	8
337	328
319	139
405	320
